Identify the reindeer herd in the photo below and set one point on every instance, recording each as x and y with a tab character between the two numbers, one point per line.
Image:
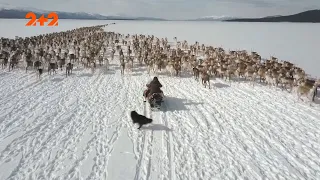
208	62
55	51
88	45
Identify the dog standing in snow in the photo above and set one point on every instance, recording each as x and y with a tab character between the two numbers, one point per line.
140	119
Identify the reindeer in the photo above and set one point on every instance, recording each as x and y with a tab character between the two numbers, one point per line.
61	62
69	68
122	66
177	68
307	87
107	63
170	69
100	59
205	79
196	73
13	61
4	58
52	67
40	71
27	59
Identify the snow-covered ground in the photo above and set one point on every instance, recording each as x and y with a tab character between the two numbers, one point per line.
79	128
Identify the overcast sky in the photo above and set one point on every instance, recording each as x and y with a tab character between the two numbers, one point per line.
175	9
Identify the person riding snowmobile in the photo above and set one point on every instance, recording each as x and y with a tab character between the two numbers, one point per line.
153	87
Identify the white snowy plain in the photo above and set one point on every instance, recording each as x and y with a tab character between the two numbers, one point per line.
79	127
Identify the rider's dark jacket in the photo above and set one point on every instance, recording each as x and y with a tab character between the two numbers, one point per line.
154	87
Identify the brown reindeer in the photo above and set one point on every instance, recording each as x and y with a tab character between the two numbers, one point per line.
122	66
177	68
61	62
69	68
4	56
52	67
196	73
13	61
205	78
37	64
306	87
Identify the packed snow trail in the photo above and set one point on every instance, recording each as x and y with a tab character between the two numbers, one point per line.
80	128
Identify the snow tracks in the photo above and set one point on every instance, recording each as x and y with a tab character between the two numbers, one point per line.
237	131
156	158
73	128
60	127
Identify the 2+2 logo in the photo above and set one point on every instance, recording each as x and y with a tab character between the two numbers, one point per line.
42	20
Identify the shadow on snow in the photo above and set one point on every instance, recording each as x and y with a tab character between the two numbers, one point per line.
178	104
156	127
220	85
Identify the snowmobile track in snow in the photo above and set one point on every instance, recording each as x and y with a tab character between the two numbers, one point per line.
170	150
143	168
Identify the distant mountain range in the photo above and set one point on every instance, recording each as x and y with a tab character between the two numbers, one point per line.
312	16
11	12
212	18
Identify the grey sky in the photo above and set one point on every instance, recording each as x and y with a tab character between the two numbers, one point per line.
175	9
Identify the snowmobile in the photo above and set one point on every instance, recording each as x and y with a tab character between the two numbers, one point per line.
155	100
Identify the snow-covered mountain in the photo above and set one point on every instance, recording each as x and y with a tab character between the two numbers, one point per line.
213	18
14	12
310	16
6	6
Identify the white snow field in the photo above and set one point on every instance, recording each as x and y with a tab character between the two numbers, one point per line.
79	128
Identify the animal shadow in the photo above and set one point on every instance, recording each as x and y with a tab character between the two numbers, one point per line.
136	74
109	71
85	75
4	74
57	79
316	101
178	104
78	69
220	85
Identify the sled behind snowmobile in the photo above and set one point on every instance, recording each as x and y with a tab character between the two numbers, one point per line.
155	101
